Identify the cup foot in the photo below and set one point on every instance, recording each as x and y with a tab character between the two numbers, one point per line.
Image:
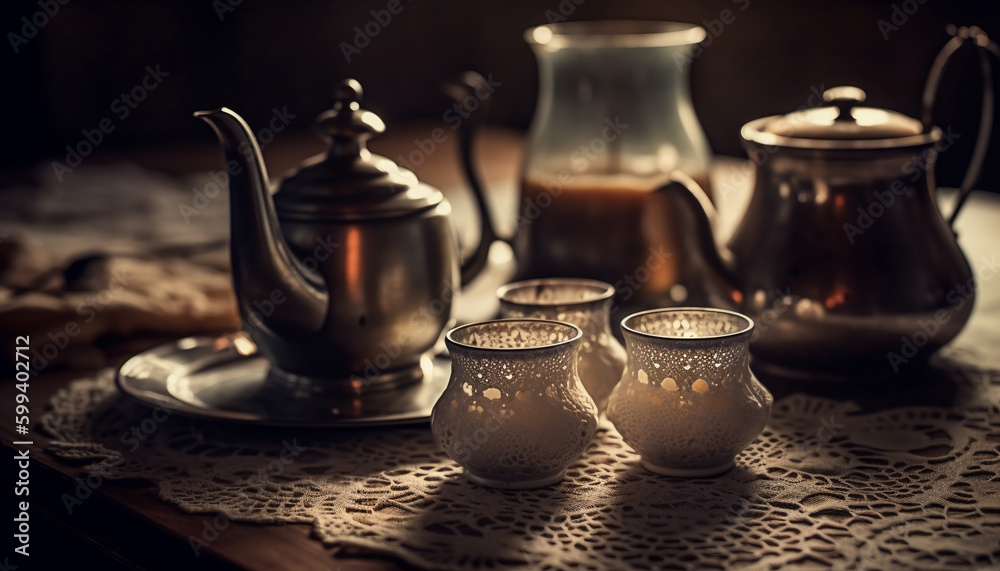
689	472
517	484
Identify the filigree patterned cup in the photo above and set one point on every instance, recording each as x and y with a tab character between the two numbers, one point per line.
687	402
584	303
515	414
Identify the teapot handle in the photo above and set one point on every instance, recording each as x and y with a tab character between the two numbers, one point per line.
978	38
458	90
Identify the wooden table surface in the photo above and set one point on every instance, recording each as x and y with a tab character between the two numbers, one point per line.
124	525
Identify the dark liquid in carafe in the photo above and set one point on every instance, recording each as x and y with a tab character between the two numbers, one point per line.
604	228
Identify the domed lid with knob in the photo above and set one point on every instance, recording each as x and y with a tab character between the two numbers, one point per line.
348	182
844	124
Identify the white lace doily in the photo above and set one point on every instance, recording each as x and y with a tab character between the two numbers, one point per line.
823	486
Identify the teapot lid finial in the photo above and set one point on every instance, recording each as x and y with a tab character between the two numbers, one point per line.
349	182
843	123
844	98
348	91
347	126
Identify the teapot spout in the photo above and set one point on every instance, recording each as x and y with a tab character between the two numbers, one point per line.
275	292
705	262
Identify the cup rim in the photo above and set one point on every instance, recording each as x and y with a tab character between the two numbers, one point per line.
615	33
665	310
608	292
450	339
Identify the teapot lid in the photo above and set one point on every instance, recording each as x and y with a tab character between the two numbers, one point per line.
348	182
843	124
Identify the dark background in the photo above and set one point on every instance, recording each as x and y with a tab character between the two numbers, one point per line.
257	55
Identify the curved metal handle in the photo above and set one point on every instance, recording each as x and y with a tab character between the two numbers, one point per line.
978	38
464	86
695	216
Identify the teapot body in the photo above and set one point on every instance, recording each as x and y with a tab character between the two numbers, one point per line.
843	259
846	264
391	285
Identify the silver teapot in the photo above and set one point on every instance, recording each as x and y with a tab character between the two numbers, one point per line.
843	258
345	277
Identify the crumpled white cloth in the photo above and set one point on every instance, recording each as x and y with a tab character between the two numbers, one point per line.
161	271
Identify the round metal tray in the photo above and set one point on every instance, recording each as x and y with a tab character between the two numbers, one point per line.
223	378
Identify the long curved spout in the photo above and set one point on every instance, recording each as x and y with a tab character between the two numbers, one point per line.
273	289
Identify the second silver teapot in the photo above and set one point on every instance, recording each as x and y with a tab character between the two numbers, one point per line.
843	259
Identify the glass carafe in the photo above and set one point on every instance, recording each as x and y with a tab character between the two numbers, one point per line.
614	118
